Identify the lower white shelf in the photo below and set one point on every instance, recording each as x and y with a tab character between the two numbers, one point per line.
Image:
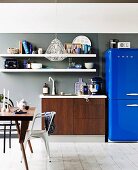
46	70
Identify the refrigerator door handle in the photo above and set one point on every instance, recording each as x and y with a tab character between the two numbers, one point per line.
132	105
132	94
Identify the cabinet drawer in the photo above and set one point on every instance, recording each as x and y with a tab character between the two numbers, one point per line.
92	100
89	126
93	109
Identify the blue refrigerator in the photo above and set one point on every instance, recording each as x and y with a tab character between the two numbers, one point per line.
122	92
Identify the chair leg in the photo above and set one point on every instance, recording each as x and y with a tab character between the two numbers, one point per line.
45	138
10	137
4	139
47	141
30	145
25	144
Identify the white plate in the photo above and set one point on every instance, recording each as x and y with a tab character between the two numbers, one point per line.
36	65
82	40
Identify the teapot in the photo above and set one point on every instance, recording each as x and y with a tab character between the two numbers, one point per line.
21	104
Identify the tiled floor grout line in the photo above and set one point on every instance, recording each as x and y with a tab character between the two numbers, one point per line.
97	161
114	160
62	157
79	156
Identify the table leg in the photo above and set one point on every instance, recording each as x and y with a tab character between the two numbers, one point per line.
24	156
21	135
18	128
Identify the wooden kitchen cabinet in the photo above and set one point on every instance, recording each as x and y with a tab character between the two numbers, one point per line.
89	116
64	114
77	116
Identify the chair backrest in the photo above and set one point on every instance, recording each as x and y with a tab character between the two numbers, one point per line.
40	115
49	123
31	123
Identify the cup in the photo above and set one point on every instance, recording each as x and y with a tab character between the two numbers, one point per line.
40	51
85	49
78	50
61	93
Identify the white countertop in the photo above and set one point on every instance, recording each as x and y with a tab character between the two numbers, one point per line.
72	96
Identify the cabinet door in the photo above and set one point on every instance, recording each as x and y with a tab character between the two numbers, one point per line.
89	116
89	127
64	116
89	109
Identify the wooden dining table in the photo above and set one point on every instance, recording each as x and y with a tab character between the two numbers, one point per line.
22	128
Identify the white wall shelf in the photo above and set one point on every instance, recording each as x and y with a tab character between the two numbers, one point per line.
46	70
46	55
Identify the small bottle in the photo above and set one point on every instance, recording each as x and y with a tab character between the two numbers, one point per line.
85	90
71	63
25	64
45	89
29	64
31	48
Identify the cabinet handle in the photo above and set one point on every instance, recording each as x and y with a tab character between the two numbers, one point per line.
132	94
87	100
132	105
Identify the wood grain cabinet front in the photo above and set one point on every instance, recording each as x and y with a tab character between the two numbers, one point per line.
77	116
64	114
89	116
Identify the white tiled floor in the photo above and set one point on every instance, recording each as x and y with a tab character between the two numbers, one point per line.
72	156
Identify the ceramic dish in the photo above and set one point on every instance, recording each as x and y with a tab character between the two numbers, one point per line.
36	65
88	65
82	40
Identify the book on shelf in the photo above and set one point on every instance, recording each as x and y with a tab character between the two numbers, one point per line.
25	47
20	47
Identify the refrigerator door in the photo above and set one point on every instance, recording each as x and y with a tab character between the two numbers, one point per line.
123	120
122	73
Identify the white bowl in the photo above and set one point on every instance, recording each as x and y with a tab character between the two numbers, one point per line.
88	65
36	65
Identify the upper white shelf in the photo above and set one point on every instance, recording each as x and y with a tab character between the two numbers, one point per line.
46	70
47	55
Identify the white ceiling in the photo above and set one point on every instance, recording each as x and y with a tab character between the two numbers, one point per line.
70	1
68	18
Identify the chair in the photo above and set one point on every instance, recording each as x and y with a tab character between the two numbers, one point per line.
49	128
6	124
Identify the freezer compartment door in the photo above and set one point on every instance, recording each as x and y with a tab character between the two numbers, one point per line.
123	120
121	73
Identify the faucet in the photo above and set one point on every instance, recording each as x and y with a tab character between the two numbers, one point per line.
53	86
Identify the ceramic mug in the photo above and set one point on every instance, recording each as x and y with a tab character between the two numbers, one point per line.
40	51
